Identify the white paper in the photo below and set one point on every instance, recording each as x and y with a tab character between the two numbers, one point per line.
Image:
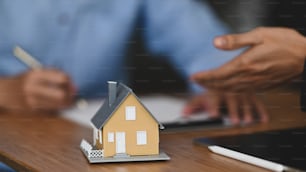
166	109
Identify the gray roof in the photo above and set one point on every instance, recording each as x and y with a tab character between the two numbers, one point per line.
105	112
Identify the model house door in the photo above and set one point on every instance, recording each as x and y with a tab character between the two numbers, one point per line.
120	142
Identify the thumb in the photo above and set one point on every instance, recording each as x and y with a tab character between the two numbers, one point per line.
235	41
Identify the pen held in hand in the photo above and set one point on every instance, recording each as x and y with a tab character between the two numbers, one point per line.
26	58
31	62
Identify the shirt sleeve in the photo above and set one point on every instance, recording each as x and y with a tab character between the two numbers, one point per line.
183	30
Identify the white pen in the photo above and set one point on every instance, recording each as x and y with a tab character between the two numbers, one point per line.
31	62
247	158
26	58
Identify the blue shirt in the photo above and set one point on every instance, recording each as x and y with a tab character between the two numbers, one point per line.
87	38
5	168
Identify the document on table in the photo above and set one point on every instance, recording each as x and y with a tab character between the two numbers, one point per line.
166	109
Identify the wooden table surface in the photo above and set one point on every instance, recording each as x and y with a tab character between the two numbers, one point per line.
40	142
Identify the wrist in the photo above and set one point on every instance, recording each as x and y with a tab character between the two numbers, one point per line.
4	82
8	92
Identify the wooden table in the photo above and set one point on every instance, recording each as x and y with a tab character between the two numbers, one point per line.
40	142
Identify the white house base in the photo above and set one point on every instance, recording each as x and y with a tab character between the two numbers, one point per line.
160	157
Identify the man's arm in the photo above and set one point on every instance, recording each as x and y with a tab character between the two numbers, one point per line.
183	31
274	56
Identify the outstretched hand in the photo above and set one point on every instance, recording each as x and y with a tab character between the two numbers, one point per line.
273	56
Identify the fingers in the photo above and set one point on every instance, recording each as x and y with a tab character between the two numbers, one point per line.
55	96
210	101
246	109
239	74
232	105
196	104
214	103
48	89
261	110
215	78
235	41
243	108
50	77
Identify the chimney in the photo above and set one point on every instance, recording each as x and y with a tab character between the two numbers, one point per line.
112	91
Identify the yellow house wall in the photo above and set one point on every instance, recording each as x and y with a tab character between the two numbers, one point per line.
143	122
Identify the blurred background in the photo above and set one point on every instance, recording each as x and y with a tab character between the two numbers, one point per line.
150	75
153	75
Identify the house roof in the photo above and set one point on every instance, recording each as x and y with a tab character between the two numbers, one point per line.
105	112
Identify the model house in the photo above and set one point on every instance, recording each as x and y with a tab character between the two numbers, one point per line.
123	126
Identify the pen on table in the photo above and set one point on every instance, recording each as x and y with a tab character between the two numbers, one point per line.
247	158
33	63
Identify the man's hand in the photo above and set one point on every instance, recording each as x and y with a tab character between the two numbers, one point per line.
241	107
274	56
42	89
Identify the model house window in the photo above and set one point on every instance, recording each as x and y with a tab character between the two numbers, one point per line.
141	137
110	137
130	113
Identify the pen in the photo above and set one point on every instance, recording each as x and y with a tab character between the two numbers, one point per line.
26	58
30	61
247	158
